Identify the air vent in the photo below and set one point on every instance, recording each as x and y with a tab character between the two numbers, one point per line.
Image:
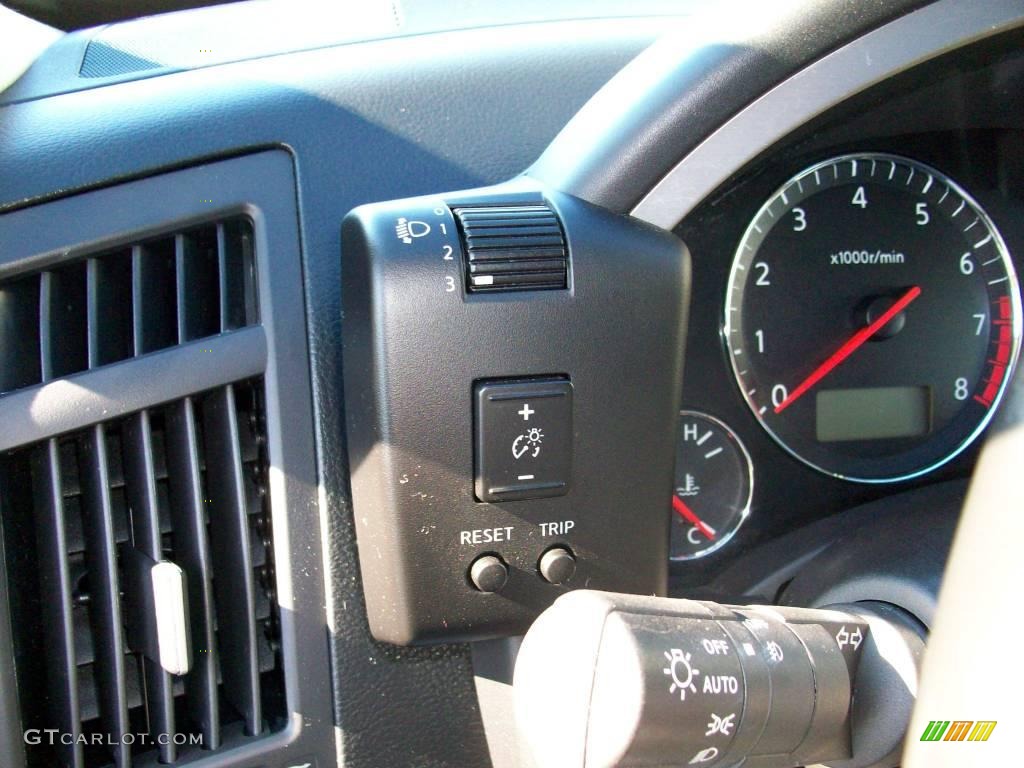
183	483
156	436
125	302
513	248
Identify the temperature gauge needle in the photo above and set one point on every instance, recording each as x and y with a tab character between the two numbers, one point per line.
687	514
849	347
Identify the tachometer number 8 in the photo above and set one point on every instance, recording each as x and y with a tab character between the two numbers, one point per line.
960	389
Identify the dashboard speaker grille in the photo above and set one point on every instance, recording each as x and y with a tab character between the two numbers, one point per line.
106	60
185	482
127	301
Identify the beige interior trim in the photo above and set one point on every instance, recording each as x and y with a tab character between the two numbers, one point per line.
974	665
21	40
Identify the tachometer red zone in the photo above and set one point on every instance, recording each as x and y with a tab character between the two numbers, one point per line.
1003	342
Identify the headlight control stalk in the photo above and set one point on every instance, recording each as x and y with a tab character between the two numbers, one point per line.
605	679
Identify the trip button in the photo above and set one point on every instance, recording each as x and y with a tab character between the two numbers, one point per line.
557	565
523	439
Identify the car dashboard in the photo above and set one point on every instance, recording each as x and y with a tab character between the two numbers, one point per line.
330	359
949	116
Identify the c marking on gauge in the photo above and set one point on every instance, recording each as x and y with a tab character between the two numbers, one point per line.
713	488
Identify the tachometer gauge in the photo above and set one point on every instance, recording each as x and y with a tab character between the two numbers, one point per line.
714	483
872	318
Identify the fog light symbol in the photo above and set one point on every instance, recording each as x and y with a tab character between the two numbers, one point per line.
406	230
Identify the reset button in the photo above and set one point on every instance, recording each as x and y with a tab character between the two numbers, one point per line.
488	573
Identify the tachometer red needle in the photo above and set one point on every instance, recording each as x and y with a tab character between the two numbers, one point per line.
687	514
851	346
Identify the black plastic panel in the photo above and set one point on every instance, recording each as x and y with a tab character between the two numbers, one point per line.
415	345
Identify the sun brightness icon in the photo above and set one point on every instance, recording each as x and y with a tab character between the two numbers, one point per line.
678	663
534	435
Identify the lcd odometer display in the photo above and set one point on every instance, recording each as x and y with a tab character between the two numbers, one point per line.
873	413
872	317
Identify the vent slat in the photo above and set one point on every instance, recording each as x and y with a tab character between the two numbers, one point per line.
154	296
55	593
192	553
237	275
141	489
181	269
63	323
110	322
199	287
234	583
19	333
45	330
105	601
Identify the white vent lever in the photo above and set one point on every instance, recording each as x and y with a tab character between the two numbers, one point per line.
170	603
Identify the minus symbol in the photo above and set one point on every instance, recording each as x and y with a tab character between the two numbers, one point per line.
525	477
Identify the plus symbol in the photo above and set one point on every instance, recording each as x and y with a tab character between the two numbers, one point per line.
526	412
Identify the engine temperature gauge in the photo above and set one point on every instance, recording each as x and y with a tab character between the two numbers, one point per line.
714	483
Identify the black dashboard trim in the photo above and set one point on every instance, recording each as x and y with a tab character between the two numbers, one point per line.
887	51
364	122
688	85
